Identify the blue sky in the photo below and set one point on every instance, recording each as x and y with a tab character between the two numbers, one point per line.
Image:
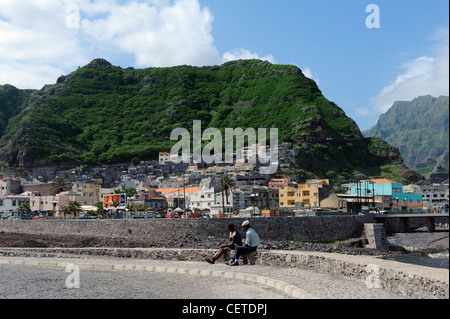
351	62
362	70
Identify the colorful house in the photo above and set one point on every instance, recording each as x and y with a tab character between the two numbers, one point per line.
306	195
401	201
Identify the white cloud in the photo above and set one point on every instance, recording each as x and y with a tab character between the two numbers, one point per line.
243	54
156	36
363	111
308	73
38	44
425	75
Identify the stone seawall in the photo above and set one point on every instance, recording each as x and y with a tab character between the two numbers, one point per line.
299	229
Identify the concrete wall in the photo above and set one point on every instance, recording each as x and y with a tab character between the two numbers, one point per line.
311	229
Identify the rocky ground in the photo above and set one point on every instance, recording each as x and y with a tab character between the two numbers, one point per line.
419	241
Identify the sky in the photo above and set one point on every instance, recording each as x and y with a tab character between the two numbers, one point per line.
363	57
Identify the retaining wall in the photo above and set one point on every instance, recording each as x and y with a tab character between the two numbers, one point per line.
310	229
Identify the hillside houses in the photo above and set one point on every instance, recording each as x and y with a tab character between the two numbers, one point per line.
161	185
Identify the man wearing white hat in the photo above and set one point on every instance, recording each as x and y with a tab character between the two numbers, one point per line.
251	244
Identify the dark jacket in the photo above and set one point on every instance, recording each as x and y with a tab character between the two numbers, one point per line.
235	239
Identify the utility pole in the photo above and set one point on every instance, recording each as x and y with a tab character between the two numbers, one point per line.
221	186
184	192
373	193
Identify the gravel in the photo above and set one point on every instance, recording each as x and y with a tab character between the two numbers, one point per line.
419	240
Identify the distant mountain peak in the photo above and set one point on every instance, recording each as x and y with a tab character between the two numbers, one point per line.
420	129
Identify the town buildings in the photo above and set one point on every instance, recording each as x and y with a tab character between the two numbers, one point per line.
163	184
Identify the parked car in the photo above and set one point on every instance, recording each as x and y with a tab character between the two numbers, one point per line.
194	215
38	218
26	217
172	215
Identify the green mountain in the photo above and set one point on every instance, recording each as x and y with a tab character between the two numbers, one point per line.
103	114
420	129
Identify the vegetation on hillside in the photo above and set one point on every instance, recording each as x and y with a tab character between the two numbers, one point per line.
101	114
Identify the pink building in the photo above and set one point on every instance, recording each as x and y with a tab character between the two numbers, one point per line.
279	183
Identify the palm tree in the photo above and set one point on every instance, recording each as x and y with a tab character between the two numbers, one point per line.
74	208
24	209
59	185
226	185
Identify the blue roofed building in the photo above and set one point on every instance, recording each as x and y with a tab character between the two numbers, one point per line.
399	200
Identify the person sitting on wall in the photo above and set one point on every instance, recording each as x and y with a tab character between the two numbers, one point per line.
251	244
235	240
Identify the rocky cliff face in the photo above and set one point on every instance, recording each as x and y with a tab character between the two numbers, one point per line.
420	129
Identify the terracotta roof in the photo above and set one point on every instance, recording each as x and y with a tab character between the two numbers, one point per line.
382	181
176	190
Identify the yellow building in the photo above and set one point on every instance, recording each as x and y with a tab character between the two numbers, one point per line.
91	190
306	195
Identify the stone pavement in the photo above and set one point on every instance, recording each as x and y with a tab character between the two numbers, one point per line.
287	282
296	274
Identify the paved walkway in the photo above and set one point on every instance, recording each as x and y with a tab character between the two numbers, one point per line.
129	278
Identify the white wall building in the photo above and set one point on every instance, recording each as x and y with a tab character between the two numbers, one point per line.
203	199
9	205
436	196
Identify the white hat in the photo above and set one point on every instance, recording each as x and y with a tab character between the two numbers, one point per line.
246	223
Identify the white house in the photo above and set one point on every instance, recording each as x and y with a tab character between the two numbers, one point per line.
164	158
9	205
203	199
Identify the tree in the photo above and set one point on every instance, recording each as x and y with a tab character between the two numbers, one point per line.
74	208
135	161
226	185
20	172
130	192
101	210
24	209
59	185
